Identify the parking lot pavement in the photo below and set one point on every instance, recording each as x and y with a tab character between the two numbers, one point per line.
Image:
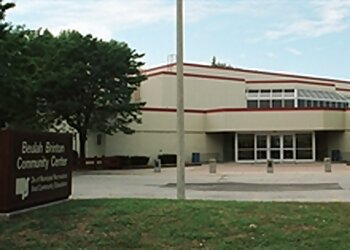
289	182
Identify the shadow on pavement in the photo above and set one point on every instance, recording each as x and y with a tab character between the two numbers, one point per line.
258	187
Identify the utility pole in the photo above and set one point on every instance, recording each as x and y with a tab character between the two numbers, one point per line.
180	182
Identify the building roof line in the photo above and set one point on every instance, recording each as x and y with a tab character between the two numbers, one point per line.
227	78
250	71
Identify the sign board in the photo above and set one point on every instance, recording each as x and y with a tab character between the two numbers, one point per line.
35	168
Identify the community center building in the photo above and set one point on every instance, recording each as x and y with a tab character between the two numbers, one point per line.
239	115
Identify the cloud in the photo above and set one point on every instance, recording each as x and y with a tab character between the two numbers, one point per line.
199	9
271	55
105	18
332	16
294	51
101	18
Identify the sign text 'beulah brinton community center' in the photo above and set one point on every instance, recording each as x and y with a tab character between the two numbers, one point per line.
35	168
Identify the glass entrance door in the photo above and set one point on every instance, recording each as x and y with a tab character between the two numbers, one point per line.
275	147
284	147
288	148
261	147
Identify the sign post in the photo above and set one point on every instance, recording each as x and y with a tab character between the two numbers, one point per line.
35	169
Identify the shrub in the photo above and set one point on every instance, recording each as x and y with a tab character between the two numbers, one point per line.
139	160
167	158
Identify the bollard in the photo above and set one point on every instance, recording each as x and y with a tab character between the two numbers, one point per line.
270	166
327	165
212	166
157	166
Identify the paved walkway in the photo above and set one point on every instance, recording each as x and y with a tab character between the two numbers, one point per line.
249	182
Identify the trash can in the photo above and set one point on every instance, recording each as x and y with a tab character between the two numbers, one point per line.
327	165
212	166
335	155
157	165
195	157
270	166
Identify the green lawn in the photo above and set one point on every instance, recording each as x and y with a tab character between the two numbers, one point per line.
171	224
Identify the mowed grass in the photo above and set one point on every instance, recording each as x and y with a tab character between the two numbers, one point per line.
171	224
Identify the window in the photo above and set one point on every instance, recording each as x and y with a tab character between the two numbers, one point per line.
246	154
252	104
264	103
261	154
270	98
261	141
321	98
304	140
245	141
288	146
288	141
252	93
277	103
288	154
275	141
265	93
277	93
304	154
275	154
289	103
256	91
289	92
99	139
245	146
303	146
301	103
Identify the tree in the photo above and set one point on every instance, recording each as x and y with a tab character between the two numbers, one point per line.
216	63
14	69
3	8
89	83
23	53
4	30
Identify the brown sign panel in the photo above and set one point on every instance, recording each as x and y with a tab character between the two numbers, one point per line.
35	168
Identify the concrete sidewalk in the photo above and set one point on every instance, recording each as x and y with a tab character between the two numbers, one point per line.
248	182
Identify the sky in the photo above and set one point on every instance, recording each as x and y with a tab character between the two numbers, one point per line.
309	37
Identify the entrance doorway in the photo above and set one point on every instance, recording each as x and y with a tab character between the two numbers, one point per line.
282	147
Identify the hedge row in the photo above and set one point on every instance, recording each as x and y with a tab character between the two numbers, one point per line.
167	158
131	160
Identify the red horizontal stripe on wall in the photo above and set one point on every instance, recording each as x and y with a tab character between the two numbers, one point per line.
172	110
292	81
343	89
223	110
197	75
268	110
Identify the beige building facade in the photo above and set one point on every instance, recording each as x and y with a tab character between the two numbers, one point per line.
238	115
